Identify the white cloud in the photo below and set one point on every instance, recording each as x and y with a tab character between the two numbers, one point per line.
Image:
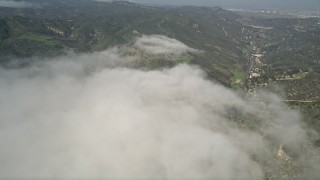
162	46
92	115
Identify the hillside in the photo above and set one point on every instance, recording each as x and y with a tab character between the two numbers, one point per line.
245	53
213	30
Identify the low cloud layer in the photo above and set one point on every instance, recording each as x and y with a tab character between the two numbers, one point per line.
94	116
15	4
162	46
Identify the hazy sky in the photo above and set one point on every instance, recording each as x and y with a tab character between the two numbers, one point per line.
14	4
252	4
283	4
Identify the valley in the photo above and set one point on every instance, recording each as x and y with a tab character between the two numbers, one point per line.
246	51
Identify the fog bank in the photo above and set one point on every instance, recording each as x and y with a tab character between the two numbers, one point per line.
95	116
